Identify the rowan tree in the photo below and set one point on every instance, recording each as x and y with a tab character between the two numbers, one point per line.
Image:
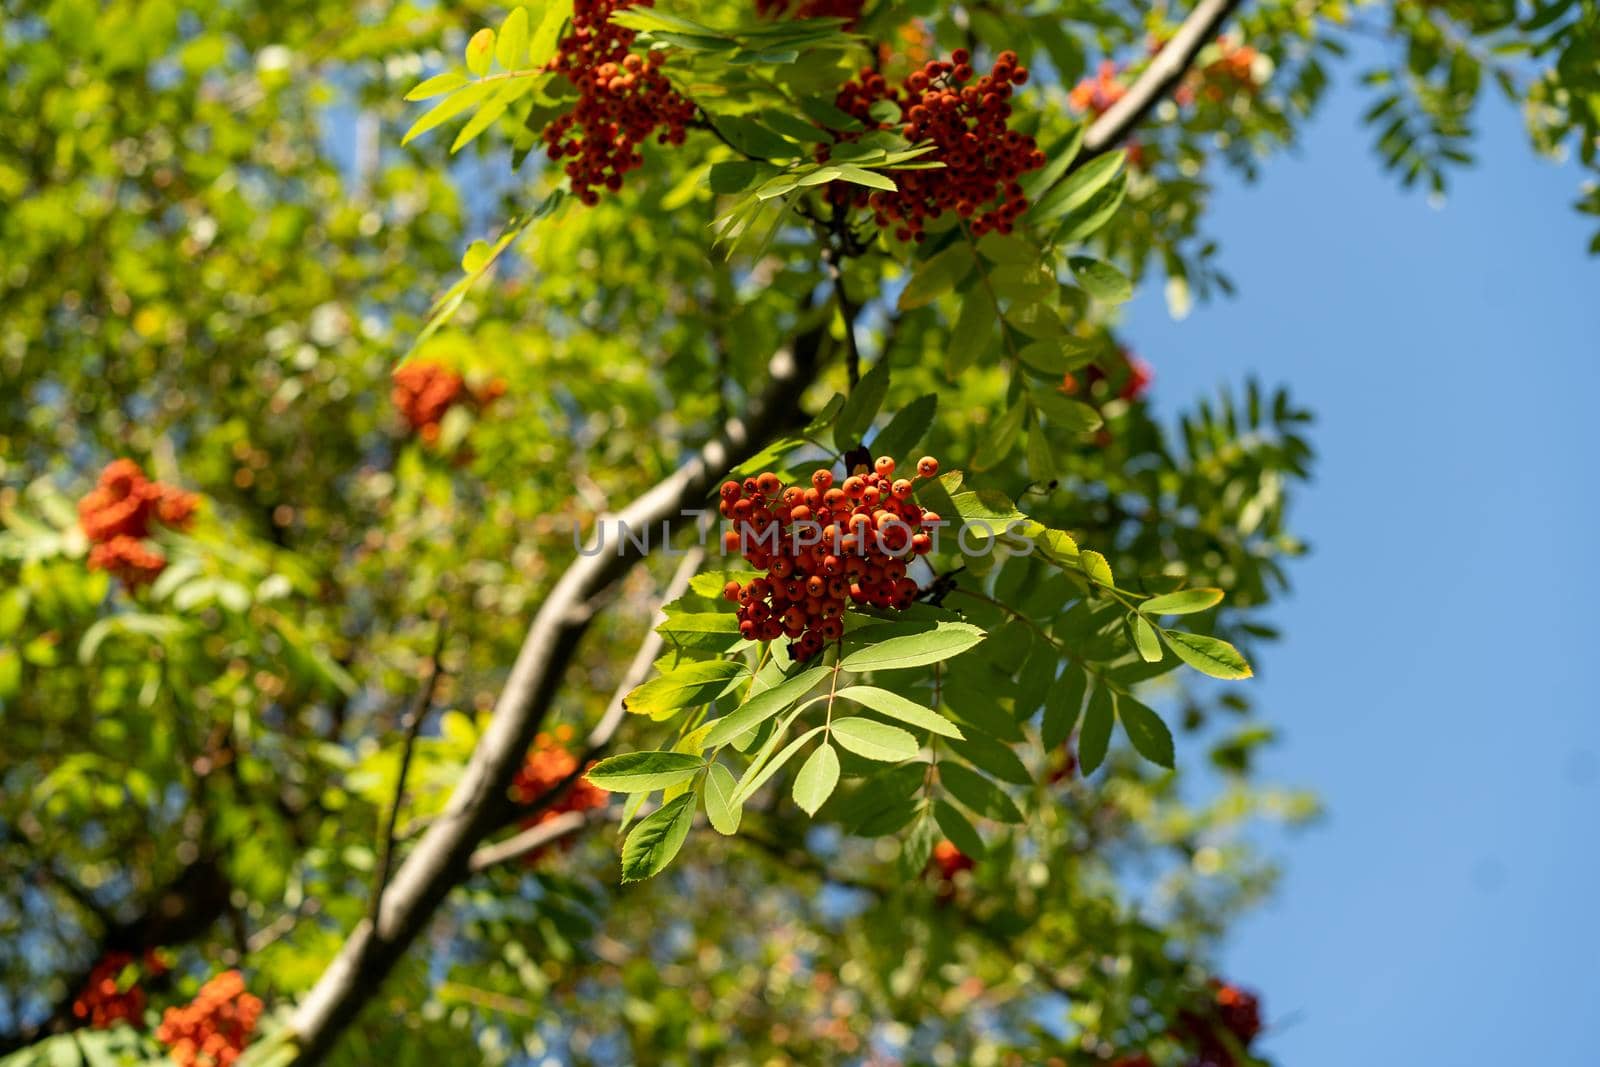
609	532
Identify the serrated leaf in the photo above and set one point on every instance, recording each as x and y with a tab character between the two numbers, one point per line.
1077	189
546	37
1094	738
1183	602
644	772
907	429
945	640
1090	217
994	757
1095	567
511	48
684	687
1101	280
1208	655
818	776
1149	734
1066	412
978	794
438	85
763	706
874	740
714	630
1062	706
723	808
916	848
998	442
656	840
958	829
898	707
1145	639
861	406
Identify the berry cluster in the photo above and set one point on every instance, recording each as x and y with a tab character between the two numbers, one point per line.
968	126
119	513
951	861
105	1001
549	763
1132	379
823	547
1233	1012
622	99
213	1029
1099	93
849	10
423	391
1233	69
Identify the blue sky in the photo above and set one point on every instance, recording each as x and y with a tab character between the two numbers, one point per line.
1434	685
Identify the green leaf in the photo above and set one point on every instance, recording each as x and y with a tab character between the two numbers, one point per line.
978	794
685	687
1208	655
1183	602
998	442
945	640
1145	639
973	335
874	740
818	776
1077	189
1095	736
486	115
438	85
993	756
447	109
907	429
1091	216
753	139
480	52
958	829
1101	280
512	47
1095	567
794	127
936	276
723	808
644	772
656	840
762	706
1149	734
862	404
1062	705
1060	156
898	707
714	630
547	37
761	769
1067	413
916	849
870	178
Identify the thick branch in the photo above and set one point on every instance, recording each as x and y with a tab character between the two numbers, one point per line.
1158	79
442	857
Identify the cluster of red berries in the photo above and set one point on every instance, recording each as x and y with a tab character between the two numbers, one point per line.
1229	1022
950	860
105	1001
849	10
212	1029
622	99
119	513
549	763
983	159
823	547
1098	93
1233	69
423	391
1131	380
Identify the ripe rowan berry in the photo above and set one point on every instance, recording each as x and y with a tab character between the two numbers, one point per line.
927	467
213	1029
121	511
967	125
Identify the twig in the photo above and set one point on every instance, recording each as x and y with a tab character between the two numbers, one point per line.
411	724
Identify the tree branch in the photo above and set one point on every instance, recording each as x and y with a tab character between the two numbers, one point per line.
442	857
1158	79
412	726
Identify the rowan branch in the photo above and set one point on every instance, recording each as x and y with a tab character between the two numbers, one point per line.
1158	79
442	857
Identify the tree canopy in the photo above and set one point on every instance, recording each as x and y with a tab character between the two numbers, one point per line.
612	532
